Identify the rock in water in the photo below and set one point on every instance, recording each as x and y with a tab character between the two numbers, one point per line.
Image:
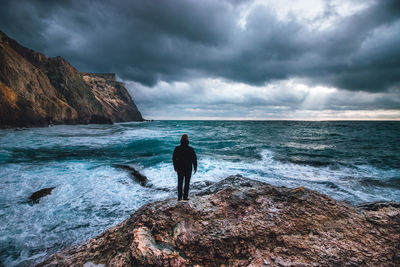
35	197
246	224
136	175
36	90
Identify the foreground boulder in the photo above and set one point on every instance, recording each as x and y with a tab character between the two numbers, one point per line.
246	223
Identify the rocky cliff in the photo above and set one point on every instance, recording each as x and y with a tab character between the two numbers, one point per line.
37	90
241	222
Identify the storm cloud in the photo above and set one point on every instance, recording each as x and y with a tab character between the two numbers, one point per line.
169	51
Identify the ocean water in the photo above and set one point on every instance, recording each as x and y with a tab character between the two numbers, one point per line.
351	161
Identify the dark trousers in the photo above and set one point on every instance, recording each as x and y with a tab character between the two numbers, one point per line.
183	176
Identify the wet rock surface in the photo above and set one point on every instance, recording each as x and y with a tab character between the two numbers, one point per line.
378	205
36	196
135	174
241	222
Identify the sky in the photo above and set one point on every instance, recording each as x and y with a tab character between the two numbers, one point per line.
220	59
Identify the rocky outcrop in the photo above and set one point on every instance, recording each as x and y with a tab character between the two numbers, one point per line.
378	205
38	90
36	196
135	174
241	222
113	97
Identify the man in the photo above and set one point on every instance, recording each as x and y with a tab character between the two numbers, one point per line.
184	158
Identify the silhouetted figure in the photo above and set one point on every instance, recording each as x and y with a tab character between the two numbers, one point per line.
184	158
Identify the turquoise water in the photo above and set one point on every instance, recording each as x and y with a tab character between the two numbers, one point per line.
351	161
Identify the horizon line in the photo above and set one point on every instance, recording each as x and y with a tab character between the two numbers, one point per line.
255	119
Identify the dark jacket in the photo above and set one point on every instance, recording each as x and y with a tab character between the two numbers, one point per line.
184	158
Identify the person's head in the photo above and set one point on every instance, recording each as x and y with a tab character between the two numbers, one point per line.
185	139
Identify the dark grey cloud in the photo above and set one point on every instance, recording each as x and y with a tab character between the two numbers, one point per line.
151	41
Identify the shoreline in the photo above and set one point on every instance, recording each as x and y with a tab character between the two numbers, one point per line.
241	221
27	127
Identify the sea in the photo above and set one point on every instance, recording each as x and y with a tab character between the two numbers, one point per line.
352	161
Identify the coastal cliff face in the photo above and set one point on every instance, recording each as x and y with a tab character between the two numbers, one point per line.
37	90
241	222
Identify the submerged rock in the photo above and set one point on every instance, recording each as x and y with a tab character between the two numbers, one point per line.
35	197
136	175
241	222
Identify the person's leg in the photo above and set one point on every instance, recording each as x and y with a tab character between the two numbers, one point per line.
180	182
187	182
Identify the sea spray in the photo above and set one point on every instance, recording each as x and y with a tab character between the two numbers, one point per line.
353	161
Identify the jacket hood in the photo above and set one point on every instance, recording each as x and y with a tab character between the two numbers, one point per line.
184	142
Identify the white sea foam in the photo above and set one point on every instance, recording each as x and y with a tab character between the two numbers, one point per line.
340	182
88	198
91	195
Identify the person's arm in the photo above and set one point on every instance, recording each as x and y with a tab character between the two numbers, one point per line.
194	161
174	160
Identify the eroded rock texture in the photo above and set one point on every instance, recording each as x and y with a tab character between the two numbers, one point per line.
37	90
241	222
